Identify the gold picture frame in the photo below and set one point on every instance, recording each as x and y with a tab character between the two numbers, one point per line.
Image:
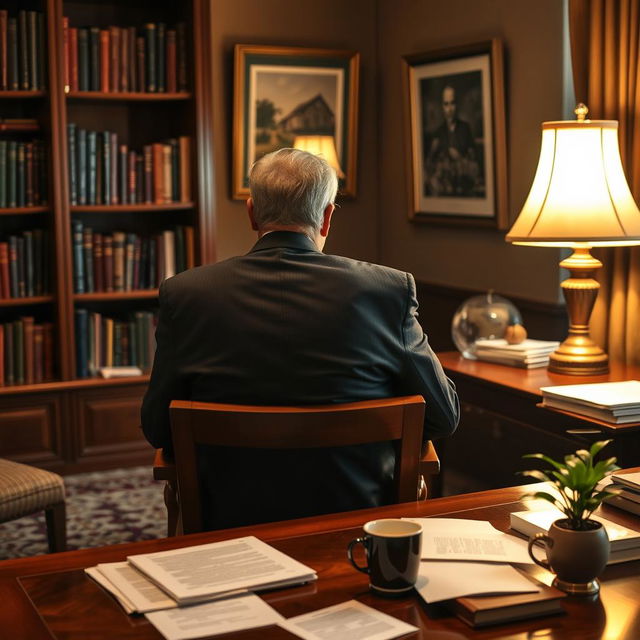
281	92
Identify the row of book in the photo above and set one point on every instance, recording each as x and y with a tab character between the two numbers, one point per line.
22	51
24	265
26	352
104	171
102	341
23	173
129	261
115	59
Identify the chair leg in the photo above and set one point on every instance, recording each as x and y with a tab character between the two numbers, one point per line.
171	502
56	518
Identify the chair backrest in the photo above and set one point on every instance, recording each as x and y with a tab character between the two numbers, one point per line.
304	427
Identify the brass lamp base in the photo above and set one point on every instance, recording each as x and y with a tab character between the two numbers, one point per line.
579	354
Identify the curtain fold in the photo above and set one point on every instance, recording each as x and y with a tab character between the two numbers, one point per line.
605	52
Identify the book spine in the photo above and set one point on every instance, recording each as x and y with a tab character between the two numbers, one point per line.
98	262
105	52
137	253
143	279
12	170
99	164
32	53
13	267
114	41
87	254
4	68
139	179
38	359
131	62
78	260
23	45
28	174
128	262
171	67
131	175
113	143
175	170
18	352
42	44
73	165
181	54
21	177
83	60
160	56
27	330
47	349
82	320
3	173
169	241
150	56
9	357
152	264
148	173
118	260
12	55
123	178
141	64
91	164
124	60
94	59
29	264
20	254
38	262
74	82
81	164
189	242
106	174
4	270
107	251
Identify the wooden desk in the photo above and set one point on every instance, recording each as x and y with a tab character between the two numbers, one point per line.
50	597
500	419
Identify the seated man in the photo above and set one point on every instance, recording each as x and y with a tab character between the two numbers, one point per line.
287	324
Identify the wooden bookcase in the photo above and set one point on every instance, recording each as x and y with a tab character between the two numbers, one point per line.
69	424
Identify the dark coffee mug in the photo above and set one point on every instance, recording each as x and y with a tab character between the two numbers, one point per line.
392	548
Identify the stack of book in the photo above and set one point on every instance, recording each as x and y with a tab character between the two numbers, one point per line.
107	342
119	59
23	173
628	487
625	542
528	354
129	261
614	402
104	171
22	51
26	352
24	265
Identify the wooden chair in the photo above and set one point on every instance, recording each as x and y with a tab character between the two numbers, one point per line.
194	423
25	490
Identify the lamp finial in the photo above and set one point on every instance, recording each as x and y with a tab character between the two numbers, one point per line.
581	111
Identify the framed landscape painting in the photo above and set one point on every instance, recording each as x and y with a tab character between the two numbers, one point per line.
455	123
285	93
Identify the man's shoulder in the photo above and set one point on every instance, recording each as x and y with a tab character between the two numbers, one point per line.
370	271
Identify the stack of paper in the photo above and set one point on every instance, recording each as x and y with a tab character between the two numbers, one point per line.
615	402
625	542
528	354
628	486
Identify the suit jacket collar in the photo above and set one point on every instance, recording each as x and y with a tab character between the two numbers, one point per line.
285	239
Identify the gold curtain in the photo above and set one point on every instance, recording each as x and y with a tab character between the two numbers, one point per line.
605	52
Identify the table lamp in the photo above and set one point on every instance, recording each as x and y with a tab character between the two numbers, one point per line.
322	146
579	199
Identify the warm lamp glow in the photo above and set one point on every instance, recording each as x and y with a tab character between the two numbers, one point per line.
321	146
580	199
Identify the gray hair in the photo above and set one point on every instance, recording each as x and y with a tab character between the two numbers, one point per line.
291	187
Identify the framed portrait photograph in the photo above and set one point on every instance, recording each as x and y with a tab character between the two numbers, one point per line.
295	97
456	141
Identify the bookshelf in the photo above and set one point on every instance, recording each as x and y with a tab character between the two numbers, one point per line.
71	420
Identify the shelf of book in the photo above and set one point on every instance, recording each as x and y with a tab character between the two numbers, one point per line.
17	211
20	302
133	208
139	294
22	94
124	96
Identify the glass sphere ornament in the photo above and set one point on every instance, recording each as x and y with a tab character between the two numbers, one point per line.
481	317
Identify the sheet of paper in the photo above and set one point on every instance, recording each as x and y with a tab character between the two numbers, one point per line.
136	587
444	580
198	573
460	539
347	621
126	604
213	618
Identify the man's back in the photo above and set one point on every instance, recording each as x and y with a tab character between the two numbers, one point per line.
287	324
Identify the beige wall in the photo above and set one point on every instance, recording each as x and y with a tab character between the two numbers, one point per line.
331	24
471	257
374	226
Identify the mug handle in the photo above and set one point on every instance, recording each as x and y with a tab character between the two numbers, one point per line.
352	544
547	541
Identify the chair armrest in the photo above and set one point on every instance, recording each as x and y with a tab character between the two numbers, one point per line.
163	469
429	462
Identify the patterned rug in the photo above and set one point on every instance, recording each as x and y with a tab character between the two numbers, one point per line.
107	507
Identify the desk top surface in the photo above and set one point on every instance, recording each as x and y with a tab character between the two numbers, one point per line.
51	597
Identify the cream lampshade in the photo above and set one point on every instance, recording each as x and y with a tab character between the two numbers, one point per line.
321	146
579	199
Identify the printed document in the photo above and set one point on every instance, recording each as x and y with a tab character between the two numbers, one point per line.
195	574
213	618
444	580
347	621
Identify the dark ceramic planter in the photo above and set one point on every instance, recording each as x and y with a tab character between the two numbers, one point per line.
576	557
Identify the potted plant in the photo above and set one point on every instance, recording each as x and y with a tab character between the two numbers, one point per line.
577	546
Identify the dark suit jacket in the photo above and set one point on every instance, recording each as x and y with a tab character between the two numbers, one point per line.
288	324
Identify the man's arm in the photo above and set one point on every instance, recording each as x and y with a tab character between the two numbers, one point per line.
165	384
423	374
